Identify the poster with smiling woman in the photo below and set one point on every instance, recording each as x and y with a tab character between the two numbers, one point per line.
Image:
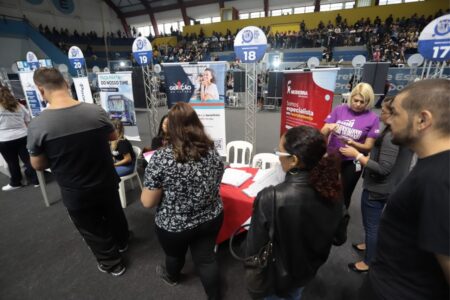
202	85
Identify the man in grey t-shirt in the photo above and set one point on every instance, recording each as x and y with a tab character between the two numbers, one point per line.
72	139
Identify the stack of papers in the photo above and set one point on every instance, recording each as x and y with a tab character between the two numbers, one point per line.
235	177
263	179
148	155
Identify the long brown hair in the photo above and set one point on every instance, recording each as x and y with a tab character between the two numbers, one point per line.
186	133
309	145
7	100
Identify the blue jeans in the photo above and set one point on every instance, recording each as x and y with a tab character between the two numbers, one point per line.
371	215
124	170
293	295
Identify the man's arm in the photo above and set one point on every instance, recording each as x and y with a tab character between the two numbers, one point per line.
39	162
444	262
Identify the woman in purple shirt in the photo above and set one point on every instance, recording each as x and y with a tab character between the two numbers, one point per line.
352	124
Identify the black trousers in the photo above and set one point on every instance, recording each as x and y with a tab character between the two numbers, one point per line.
201	241
11	151
349	178
103	227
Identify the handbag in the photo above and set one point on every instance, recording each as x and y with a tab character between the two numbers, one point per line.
260	268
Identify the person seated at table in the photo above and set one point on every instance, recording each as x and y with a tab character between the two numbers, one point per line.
308	209
182	179
161	138
122	150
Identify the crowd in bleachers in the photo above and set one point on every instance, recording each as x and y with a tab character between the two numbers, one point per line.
389	40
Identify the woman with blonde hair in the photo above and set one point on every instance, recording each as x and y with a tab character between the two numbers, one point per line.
122	150
14	119
352	124
182	180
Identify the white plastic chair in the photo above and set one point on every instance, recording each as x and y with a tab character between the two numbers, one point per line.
261	160
122	192
244	147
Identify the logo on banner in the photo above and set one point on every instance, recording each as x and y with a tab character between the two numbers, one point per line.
74	52
300	93
442	27
180	87
31	57
247	36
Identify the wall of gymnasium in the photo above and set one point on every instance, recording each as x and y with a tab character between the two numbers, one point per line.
428	7
82	15
16	50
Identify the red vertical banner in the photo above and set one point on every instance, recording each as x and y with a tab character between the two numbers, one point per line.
307	98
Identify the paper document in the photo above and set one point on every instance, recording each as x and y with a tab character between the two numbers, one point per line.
148	155
268	177
235	177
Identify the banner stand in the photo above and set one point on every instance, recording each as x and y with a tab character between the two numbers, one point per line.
250	103
142	52
81	82
250	46
151	99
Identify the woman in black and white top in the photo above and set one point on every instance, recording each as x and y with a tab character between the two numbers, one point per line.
182	179
13	139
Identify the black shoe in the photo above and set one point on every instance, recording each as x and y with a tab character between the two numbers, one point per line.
115	271
352	266
162	273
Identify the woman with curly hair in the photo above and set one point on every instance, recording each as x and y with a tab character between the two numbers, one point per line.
308	209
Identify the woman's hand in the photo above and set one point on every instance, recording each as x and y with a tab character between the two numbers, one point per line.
349	151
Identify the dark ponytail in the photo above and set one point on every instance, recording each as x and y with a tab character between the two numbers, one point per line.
324	177
309	145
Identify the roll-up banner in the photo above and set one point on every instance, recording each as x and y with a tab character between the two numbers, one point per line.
202	85
307	97
83	89
80	82
116	95
34	98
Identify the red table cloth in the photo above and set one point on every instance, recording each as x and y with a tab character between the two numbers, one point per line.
237	207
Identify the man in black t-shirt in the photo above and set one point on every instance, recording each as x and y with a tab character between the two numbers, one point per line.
412	256
71	138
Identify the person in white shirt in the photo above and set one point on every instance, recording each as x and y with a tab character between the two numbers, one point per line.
13	139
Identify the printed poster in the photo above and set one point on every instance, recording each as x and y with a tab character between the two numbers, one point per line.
307	98
116	96
202	85
35	102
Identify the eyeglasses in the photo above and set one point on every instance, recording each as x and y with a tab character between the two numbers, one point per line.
279	153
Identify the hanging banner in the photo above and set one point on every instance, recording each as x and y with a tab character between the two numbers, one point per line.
35	102
32	60
202	85
434	40
307	97
250	44
142	50
76	58
83	89
116	95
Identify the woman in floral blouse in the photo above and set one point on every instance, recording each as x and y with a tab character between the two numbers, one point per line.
182	180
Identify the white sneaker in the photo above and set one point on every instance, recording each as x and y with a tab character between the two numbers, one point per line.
8	187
